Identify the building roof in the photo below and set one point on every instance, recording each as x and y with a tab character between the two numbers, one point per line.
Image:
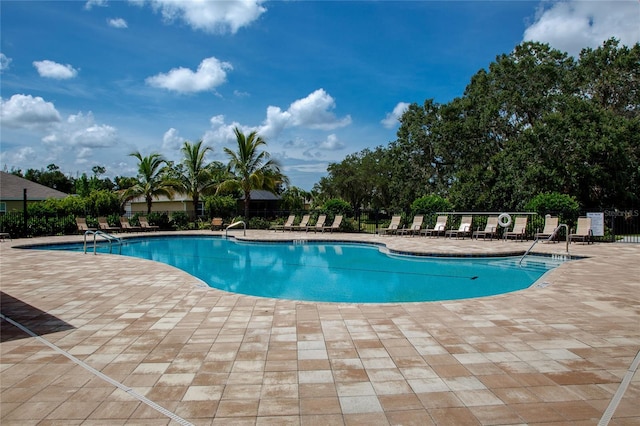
262	195
12	187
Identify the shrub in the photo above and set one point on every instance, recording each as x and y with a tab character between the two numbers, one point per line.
220	206
103	203
180	220
258	223
565	206
159	219
336	206
430	204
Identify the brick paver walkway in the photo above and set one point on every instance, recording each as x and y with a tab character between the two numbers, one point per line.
115	340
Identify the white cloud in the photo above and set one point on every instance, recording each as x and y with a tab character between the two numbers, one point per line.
81	131
4	62
117	23
55	70
313	111
26	111
391	119
211	16
210	74
331	143
91	3
221	134
573	25
24	154
171	140
43	136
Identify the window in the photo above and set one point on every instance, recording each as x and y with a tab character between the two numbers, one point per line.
3	207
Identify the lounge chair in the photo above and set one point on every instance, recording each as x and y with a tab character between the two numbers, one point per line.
319	223
335	226
103	224
216	223
81	223
415	227
126	226
439	228
519	229
466	223
583	231
302	226
287	225
491	230
144	224
393	226
550	226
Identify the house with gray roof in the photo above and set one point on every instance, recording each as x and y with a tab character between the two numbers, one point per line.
12	192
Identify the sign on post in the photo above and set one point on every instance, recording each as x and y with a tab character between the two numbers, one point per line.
597	223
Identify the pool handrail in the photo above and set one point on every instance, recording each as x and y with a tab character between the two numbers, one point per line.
551	237
108	237
233	225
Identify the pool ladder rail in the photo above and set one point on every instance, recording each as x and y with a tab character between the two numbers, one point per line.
110	238
233	225
550	238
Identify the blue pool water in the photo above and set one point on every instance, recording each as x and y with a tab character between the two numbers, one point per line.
331	272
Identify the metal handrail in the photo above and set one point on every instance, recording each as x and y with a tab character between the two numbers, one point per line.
108	237
553	234
233	225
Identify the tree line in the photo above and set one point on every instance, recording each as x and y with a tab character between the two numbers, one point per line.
249	168
536	121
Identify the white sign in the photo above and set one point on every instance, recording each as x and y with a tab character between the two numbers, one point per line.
597	224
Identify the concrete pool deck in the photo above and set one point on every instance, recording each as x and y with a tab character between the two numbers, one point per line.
114	340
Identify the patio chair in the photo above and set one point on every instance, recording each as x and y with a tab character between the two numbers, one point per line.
144	224
216	224
103	224
319	223
126	226
583	231
303	223
415	227
439	228
393	226
287	225
81	223
335	226
490	230
550	226
519	229
463	230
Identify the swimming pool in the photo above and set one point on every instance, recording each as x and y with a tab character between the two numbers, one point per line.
331	271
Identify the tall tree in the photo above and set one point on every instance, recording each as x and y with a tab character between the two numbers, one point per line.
197	177
251	168
152	180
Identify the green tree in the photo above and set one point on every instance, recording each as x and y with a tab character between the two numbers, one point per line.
197	178
251	168
51	177
293	198
153	180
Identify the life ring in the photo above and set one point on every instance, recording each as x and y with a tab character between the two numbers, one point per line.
504	220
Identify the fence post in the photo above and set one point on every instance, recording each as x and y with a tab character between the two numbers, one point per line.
25	215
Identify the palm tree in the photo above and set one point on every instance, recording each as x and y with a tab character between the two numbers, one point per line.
152	180
251	168
198	178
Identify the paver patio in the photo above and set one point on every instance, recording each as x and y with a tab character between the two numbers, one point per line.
108	339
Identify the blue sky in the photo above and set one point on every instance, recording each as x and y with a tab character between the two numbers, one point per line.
86	83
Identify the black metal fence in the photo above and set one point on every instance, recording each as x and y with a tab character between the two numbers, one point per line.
619	225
